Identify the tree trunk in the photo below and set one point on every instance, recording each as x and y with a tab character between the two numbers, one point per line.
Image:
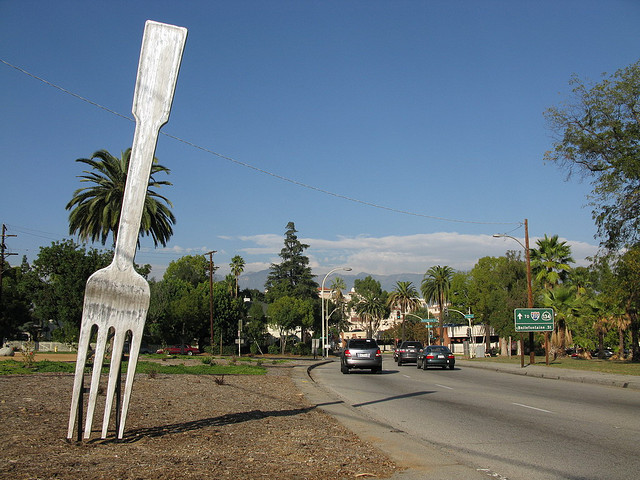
635	348
487	339
503	347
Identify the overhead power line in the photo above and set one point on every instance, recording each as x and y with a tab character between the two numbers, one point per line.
253	167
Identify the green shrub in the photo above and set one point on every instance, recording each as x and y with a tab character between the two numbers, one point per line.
301	348
274	349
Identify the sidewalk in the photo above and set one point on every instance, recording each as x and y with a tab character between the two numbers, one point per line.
553	373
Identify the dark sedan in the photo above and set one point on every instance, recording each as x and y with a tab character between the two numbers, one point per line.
407	352
436	356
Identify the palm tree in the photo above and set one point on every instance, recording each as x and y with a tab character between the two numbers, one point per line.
565	304
337	285
95	210
550	261
621	323
436	286
237	267
404	297
371	308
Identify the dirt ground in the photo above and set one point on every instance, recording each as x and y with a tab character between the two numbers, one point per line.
182	426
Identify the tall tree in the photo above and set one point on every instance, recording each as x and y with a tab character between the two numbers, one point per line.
565	305
550	261
237	267
369	288
288	313
404	297
95	210
626	270
436	286
16	301
292	276
63	269
497	285
371	308
337	304
598	136
190	268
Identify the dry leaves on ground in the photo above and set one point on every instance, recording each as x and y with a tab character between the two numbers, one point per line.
182	426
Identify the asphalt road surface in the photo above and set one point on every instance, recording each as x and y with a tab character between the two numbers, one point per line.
515	427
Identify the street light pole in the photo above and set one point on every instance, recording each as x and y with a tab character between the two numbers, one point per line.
322	320
527	254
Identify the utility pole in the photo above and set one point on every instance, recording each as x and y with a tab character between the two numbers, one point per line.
2	255
211	268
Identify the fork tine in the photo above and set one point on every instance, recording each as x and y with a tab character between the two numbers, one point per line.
116	358
101	343
136	340
81	361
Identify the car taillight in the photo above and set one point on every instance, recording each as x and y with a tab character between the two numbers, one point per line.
347	353
401	350
430	356
450	356
378	353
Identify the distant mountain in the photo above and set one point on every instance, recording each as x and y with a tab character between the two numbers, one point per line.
256	280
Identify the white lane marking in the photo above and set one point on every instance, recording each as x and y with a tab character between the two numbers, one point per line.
444	386
532	408
492	474
406	376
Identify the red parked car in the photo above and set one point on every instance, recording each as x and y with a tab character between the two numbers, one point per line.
179	350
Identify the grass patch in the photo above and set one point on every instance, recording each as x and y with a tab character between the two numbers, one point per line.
146	367
617	367
14	367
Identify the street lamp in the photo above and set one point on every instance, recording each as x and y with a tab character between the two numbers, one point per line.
532	353
346	269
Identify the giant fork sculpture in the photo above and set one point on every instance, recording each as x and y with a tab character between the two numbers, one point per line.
117	297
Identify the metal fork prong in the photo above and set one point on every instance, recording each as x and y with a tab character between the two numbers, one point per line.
114	370
136	340
101	343
81	361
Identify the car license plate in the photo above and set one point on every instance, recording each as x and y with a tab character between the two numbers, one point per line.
440	356
366	355
411	350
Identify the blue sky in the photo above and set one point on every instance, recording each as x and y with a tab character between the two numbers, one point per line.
433	108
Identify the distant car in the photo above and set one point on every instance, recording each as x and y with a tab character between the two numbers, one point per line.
436	356
606	353
407	352
361	353
180	350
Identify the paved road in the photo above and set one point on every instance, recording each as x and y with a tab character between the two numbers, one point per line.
482	421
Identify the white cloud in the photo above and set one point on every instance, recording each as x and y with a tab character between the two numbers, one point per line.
380	255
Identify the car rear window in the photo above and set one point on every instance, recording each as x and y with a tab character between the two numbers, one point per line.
439	349
363	343
412	344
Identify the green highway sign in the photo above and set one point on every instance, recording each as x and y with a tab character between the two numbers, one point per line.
533	319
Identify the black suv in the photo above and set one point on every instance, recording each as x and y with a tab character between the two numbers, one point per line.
407	352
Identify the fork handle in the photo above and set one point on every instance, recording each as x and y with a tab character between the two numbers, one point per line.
160	57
